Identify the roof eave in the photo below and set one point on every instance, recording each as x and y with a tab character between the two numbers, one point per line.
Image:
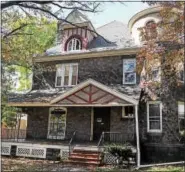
95	54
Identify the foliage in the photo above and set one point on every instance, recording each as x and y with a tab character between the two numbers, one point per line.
165	52
122	152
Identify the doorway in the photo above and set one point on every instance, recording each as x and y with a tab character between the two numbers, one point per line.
101	121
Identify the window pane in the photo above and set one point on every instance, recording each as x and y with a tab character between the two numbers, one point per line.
130	77
59	80
66	77
129	65
74	80
154	110
154	125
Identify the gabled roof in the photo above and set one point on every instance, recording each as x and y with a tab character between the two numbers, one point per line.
114	95
116	32
76	16
93	92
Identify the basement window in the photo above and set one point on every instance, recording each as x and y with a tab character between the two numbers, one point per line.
127	112
154	116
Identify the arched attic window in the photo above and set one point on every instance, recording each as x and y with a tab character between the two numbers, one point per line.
150	30
73	44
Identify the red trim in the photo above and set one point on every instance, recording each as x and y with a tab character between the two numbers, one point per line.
81	98
71	37
110	100
70	100
105	94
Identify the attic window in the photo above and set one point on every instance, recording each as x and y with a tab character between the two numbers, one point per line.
74	44
151	30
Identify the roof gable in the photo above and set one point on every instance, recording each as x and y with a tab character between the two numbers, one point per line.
92	92
76	16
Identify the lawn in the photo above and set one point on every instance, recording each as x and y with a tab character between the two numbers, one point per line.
31	165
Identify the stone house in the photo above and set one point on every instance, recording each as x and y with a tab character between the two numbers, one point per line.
87	85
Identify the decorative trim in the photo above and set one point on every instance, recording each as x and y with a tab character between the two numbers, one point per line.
86	55
97	84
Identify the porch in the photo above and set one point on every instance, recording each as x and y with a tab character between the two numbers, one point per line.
90	114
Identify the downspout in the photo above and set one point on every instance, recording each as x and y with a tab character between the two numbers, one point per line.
137	136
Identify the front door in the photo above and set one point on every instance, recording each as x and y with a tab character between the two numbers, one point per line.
101	121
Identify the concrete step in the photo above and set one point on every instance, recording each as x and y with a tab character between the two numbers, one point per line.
82	162
86	151
79	158
85	155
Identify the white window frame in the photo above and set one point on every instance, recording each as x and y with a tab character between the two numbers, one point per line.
124	114
74	42
148	122
129	83
180	115
62	74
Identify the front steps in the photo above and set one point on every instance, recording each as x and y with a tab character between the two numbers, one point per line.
85	156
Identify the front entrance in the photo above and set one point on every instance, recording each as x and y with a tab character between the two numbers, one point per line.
101	121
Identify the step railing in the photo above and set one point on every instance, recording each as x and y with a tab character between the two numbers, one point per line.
100	144
70	143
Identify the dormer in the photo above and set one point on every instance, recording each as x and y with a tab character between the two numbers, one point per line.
76	33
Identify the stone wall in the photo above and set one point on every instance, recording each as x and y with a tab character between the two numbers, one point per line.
125	126
78	119
107	70
37	124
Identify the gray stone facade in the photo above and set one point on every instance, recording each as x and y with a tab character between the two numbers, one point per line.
79	120
107	70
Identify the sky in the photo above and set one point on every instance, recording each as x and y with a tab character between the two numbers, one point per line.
116	11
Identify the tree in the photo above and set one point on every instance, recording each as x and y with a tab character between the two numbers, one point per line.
165	52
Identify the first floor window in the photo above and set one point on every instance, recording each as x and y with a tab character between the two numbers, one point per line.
129	71
127	112
154	116
181	117
66	75
57	123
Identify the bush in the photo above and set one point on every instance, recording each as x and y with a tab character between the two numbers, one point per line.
122	152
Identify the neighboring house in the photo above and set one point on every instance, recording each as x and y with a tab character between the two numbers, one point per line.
89	84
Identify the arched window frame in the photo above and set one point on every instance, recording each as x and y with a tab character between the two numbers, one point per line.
73	41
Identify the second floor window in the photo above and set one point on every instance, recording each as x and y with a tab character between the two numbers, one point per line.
66	75
129	71
150	30
74	44
154	116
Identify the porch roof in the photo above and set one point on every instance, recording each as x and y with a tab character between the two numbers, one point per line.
119	94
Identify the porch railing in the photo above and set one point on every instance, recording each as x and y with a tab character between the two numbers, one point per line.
116	137
34	135
70	142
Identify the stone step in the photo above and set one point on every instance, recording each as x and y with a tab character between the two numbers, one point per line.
79	158
86	151
82	162
94	155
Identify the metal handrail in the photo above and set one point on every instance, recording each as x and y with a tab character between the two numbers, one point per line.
71	140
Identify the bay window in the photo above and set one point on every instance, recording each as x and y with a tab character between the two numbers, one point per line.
129	71
154	116
66	75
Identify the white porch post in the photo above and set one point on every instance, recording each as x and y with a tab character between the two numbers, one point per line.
137	136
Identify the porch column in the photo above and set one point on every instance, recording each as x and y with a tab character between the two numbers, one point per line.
92	123
137	136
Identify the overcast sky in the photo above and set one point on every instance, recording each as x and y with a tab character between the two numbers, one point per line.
115	11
